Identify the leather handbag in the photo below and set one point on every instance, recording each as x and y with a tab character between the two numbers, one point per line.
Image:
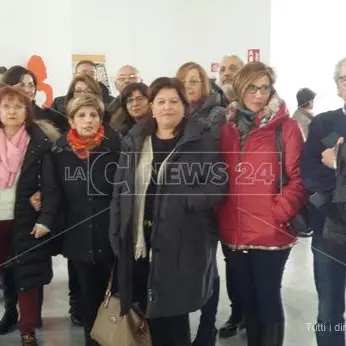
298	225
112	329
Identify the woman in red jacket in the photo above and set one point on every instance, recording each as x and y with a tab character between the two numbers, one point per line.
253	220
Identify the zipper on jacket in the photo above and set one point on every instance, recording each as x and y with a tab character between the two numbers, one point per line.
239	169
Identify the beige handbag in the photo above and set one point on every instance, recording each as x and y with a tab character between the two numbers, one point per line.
111	329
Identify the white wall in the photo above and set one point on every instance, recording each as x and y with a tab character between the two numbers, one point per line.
307	40
158	36
38	27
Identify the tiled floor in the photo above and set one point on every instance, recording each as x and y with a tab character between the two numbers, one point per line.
298	293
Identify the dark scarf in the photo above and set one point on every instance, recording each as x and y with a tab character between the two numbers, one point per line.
246	122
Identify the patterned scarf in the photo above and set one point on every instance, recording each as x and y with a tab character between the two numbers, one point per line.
246	120
82	146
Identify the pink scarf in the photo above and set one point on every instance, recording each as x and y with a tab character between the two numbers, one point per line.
12	153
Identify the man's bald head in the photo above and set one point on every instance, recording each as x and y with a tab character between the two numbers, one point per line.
229	66
126	75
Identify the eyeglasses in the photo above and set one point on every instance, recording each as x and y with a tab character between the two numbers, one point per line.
137	99
264	89
82	91
7	107
131	78
192	82
231	68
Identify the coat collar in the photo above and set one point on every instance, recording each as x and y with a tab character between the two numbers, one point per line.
192	130
110	142
210	102
39	142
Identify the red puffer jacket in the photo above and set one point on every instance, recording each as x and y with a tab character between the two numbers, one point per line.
257	209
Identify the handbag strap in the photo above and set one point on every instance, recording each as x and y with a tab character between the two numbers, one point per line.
108	294
110	282
281	153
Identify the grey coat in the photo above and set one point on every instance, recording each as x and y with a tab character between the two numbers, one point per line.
212	114
184	230
304	118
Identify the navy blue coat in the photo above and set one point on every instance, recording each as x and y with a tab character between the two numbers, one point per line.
324	131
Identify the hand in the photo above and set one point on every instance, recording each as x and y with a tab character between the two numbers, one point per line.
39	231
35	201
329	155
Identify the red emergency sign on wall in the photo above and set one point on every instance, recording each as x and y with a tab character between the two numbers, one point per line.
214	67
253	55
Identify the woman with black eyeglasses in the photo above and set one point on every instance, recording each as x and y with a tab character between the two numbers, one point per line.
254	219
27	81
134	107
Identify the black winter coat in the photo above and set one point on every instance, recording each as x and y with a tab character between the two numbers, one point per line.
32	257
86	187
184	231
56	114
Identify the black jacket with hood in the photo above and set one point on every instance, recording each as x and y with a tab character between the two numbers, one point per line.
184	230
31	257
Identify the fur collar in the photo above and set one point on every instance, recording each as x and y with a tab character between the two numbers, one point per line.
49	130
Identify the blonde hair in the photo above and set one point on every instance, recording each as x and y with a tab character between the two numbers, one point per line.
185	68
246	75
87	100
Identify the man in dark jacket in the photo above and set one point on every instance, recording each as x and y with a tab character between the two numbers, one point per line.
229	66
324	132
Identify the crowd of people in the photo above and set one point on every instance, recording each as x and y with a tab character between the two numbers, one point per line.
148	183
